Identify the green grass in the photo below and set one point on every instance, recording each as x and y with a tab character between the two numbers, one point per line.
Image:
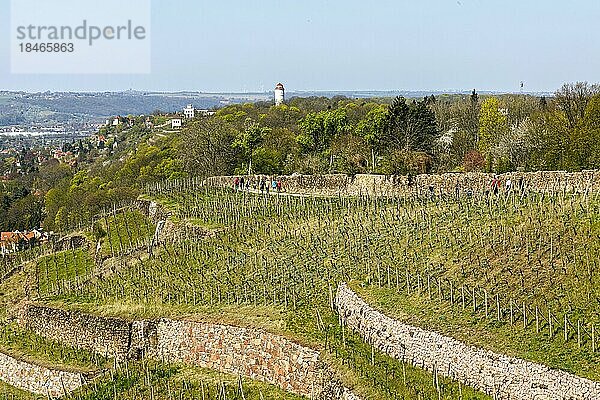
12	291
61	267
272	319
124	231
11	261
152	380
21	343
475	329
127	229
373	378
8	392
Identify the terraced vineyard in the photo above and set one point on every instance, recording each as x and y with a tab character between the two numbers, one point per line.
513	273
249	269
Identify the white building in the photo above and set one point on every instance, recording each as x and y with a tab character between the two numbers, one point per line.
189	111
176	123
116	121
279	94
205	113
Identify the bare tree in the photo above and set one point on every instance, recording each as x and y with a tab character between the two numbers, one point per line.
572	99
206	147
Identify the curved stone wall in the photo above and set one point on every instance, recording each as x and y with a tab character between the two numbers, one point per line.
37	379
503	377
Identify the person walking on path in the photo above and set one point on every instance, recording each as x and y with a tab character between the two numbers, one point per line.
495	185
262	185
279	185
521	186
508	186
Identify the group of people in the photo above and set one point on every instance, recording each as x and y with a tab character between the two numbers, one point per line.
494	187
508	185
267	184
264	184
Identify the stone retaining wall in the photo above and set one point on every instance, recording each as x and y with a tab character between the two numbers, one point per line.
36	379
505	378
252	353
241	351
73	241
542	181
154	211
474	182
106	336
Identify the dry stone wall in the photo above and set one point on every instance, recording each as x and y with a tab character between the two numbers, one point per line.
303	184
241	351
107	336
542	181
37	379
249	352
440	184
503	377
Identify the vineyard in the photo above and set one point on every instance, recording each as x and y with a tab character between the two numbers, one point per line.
152	380
514	273
253	263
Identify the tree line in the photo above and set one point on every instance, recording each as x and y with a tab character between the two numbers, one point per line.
400	136
315	135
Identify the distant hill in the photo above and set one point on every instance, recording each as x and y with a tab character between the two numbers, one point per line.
51	108
64	108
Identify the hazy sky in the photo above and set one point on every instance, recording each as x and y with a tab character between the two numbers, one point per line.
235	45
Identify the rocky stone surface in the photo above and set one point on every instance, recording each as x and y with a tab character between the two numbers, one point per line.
37	379
155	211
503	377
74	241
240	351
171	232
348	395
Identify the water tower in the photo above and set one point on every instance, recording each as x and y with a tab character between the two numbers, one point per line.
279	94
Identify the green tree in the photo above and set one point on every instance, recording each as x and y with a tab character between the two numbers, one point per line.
249	139
493	123
572	100
585	138
410	127
206	147
25	213
372	129
318	129
98	231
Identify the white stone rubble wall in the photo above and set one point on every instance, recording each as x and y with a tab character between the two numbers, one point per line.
500	376
37	379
